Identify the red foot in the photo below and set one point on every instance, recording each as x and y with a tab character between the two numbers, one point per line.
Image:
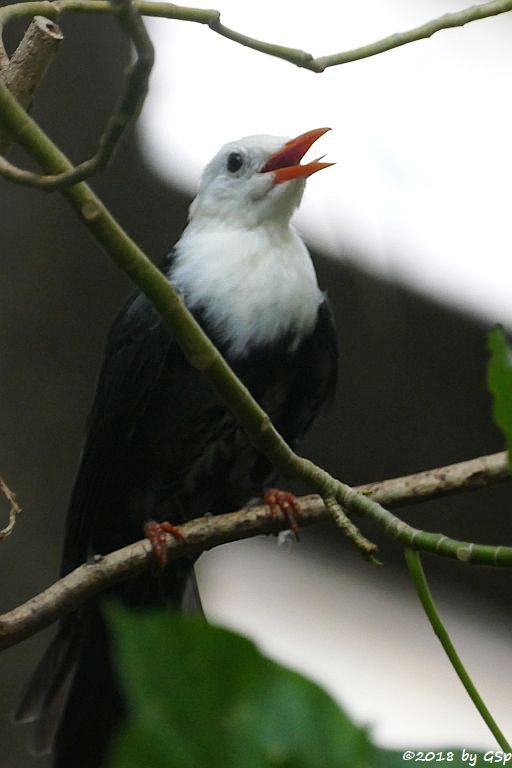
282	502
156	533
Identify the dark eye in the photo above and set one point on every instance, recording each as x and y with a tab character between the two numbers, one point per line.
235	162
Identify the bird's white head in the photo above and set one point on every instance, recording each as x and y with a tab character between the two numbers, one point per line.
255	180
239	261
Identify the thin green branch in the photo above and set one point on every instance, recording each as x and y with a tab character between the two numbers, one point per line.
436	543
447	21
18	175
293	55
415	567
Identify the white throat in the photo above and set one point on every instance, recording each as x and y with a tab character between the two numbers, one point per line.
255	285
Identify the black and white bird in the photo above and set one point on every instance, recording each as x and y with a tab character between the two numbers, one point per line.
160	444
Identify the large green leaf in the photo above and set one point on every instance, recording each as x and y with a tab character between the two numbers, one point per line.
203	697
499	380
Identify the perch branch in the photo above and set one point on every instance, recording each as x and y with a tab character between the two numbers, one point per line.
204	533
87	580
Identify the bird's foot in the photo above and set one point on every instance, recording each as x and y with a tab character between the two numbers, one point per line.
156	533
285	503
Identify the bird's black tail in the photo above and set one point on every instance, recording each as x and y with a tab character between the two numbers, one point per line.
46	690
73	696
94	704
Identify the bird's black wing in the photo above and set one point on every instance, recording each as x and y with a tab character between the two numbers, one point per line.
314	384
135	353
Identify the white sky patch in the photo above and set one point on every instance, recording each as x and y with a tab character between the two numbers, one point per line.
421	134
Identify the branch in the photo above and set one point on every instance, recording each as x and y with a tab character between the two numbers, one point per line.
442	481
28	65
447	21
295	56
206	532
14	509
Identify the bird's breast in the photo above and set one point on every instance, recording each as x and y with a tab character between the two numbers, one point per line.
252	287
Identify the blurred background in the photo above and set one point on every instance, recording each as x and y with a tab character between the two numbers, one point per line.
412	237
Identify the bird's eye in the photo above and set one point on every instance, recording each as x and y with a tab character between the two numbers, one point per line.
235	162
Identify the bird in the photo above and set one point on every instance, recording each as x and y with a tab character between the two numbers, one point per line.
160	443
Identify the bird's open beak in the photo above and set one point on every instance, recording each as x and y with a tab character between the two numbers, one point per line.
285	163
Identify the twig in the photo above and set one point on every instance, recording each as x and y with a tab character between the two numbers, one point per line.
367	548
413	561
28	65
14	509
202	534
295	56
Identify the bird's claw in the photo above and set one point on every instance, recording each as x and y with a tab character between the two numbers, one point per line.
156	533
285	503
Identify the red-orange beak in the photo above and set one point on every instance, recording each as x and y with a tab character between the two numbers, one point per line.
285	164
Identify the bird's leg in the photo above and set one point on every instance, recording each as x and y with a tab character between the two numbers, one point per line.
285	503
156	533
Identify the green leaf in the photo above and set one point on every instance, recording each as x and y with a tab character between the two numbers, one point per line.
201	696
499	381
